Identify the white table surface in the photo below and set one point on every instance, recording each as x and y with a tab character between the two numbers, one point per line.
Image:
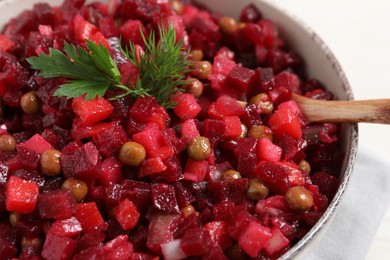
358	33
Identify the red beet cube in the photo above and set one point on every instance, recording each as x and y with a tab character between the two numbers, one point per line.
151	166
187	106
37	144
57	204
86	160
276	243
57	247
286	122
176	22
232	126
127	214
21	196
118	248
92	111
83	29
266	150
80	131
89	216
66	227
253	238
68	158
239	78
110	172
189	130
150	138
110	140
92	238
107	27
138	192
130	31
7	249
143	108
29	158
226	106
196	171
195	242
164	152
161	229
6	43
164	199
218	231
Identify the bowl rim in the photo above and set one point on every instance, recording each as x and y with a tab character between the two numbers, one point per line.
351	153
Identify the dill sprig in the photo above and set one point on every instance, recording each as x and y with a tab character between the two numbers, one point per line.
162	66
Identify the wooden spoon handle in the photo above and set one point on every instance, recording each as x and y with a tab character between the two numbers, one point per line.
369	111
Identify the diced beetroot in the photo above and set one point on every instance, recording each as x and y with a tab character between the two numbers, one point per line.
266	150
233	126
276	243
250	14
218	231
57	204
21	195
213	129
286	122
240	219
189	130
92	111
7	249
127	214
107	27
164	199
68	156
196	170
66	227
183	196
246	154
177	23
187	107
239	78
57	247
327	183
93	252
253	238
274	171
110	140
91	238
29	158
89	216
143	108
189	14
6	43
150	138
151	166
172	250
98	38
37	144
138	192
216	171
110	172
161	229
88	159
80	131
195	242
174	171
119	248
129	75
83	29
225	106
130	31
164	152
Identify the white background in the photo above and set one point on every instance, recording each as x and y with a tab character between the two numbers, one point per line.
358	33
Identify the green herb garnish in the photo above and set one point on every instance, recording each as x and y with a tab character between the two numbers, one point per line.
92	71
162	67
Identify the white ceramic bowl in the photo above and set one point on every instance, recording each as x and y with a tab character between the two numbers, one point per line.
320	64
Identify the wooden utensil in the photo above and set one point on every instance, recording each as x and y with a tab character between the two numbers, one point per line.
368	111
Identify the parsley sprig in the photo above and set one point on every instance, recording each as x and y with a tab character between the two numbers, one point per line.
92	71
